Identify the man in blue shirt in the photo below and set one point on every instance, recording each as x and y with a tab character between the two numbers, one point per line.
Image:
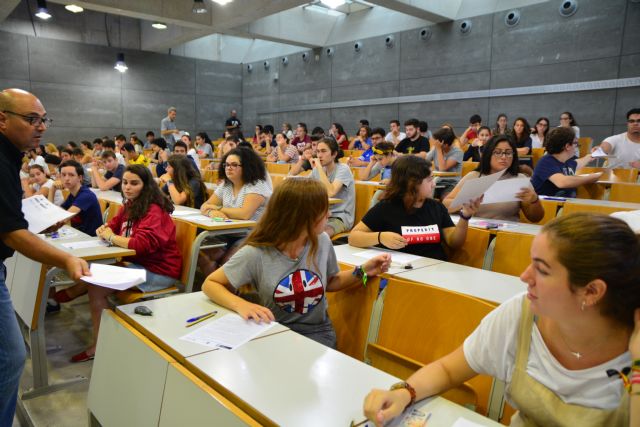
555	173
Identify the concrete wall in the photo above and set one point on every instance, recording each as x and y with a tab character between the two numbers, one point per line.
87	98
598	43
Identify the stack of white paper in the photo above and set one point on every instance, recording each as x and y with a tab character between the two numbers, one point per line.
474	188
395	256
505	190
113	277
228	332
41	214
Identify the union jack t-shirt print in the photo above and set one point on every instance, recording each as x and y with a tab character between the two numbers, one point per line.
299	292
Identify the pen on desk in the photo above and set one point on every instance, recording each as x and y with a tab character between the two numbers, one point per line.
427	419
197	319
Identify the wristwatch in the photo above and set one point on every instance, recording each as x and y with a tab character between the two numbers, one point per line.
406	385
463	216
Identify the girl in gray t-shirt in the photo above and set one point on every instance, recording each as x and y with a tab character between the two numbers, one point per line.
290	262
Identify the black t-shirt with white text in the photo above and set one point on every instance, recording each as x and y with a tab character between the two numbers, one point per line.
390	215
233	122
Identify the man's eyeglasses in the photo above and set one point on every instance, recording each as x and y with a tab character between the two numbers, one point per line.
34	121
498	153
231	165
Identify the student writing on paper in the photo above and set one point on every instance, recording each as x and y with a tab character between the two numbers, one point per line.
290	262
500	153
182	183
562	346
143	224
554	174
408	219
243	195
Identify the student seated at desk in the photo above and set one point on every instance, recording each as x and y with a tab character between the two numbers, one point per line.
446	158
284	152
291	264
243	195
40	183
158	157
338	180
132	156
112	179
500	153
554	174
309	152
203	146
374	137
225	146
560	346
381	162
182	184
143	224
407	205
79	156
81	200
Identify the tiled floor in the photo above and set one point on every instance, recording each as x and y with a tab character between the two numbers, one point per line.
71	330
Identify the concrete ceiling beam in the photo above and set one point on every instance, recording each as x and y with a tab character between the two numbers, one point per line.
6	7
429	10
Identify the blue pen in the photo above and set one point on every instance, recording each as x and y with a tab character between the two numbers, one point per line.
193	319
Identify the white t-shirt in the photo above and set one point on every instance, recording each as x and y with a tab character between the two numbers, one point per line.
224	192
535	141
120	159
39	160
625	150
389	137
194	155
58	198
491	349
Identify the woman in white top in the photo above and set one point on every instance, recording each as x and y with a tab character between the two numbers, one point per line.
243	194
568	121
539	132
500	153
40	183
561	346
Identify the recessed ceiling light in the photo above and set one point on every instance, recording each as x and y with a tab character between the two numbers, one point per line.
74	8
159	26
333	3
199	7
222	2
43	12
120	64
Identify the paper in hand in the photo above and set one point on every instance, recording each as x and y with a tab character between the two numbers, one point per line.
114	277
505	190
474	188
599	153
41	214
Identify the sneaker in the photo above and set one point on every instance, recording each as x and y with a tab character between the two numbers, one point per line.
53	307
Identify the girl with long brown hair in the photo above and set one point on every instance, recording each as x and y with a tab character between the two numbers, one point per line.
291	263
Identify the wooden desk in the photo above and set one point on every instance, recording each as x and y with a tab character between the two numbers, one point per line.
345	254
30	302
318	386
483	284
167	324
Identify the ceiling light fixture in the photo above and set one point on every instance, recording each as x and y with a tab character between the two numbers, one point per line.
120	65
159	26
324	10
199	7
222	2
43	12
74	8
333	3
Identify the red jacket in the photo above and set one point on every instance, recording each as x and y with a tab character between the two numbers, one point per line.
154	239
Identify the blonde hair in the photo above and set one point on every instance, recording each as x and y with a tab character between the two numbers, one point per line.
294	209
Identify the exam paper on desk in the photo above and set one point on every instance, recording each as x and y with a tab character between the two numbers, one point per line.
228	332
96	243
395	256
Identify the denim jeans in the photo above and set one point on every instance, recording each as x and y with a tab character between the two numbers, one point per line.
12	354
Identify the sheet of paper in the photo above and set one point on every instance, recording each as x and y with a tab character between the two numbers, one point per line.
97	243
41	214
114	277
181	213
505	190
228	332
630	217
463	422
395	256
599	153
475	188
